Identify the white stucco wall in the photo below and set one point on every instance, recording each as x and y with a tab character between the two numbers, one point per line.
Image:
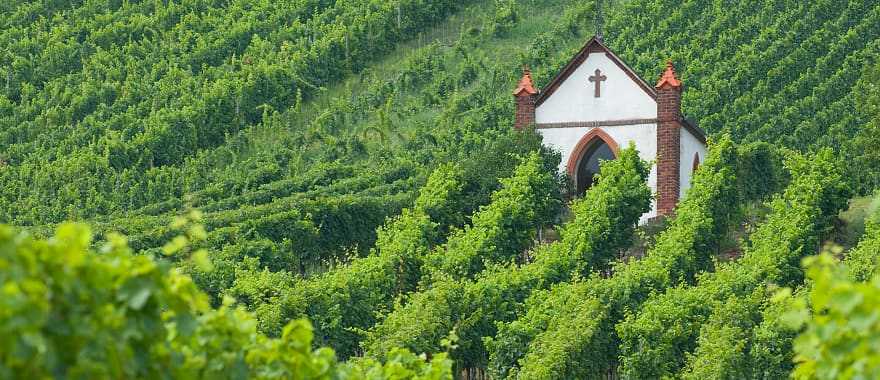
644	136
690	146
574	100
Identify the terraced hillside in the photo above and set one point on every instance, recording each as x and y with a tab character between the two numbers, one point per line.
354	163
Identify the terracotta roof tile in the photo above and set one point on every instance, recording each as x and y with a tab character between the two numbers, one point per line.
525	85
668	77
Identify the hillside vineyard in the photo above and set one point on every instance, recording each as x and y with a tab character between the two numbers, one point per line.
439	189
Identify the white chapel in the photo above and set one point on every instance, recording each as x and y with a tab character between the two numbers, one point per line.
597	105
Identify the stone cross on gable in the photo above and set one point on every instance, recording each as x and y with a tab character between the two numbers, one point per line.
598	79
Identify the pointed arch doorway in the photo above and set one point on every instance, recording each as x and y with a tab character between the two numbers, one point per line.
583	164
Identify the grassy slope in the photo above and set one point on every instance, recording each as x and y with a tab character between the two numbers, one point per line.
854	219
308	143
163	73
290	124
534	15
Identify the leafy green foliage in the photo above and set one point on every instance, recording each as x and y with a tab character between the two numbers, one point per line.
71	312
583	312
671	321
862	262
752	336
863	146
760	160
504	227
765	340
343	300
603	225
505	17
289	125
840	321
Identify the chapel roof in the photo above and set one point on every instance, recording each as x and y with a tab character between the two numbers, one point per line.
691	126
596	44
592	46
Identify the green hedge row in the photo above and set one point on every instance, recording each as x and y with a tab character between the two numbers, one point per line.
303	241
352	298
319	228
235	209
503	229
836	315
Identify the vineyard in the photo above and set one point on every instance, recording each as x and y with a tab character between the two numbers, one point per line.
334	189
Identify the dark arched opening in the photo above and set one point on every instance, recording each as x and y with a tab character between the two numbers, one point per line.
588	165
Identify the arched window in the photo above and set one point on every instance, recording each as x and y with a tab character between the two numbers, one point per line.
696	162
583	164
588	167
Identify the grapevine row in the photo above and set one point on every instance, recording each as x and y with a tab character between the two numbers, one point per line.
566	331
602	225
403	255
670	321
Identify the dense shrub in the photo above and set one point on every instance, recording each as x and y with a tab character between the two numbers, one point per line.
504	228
862	262
759	343
760	172
72	312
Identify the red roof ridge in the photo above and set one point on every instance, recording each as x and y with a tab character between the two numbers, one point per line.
668	77
525	84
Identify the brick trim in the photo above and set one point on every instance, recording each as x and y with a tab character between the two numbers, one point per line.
689	126
525	111
585	142
668	149
592	46
668	166
601	123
